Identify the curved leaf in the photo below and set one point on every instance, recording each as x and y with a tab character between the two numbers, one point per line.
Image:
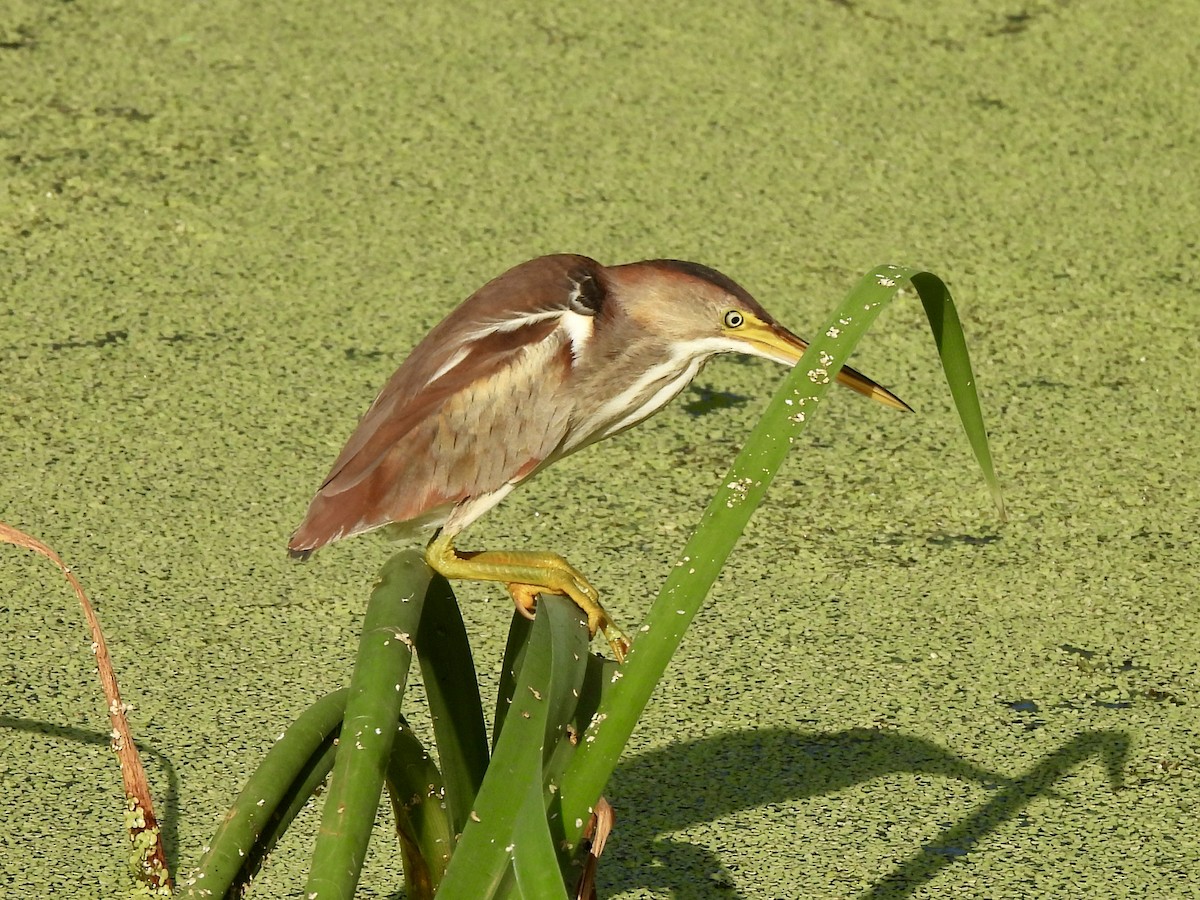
369	727
500	826
422	820
276	791
452	689
742	490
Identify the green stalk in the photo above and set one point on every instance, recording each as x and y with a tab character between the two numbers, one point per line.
742	490
535	861
253	823
369	728
452	690
422	823
505	832
308	782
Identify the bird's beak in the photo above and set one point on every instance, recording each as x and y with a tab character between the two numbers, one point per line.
774	342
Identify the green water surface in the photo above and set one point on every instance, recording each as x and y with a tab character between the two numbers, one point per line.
223	224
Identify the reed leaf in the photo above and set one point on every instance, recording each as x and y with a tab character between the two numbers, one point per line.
789	412
369	726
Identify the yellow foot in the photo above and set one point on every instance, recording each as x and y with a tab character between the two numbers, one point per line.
525	597
528	574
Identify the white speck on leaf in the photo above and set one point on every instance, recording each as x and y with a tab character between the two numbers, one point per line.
739	487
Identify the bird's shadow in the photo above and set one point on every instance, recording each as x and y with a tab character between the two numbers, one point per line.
700	781
707	400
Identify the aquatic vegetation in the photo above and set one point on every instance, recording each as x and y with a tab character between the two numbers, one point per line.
521	814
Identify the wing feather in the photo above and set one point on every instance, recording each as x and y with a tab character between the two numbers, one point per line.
476	407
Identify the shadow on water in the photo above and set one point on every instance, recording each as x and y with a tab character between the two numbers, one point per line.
746	770
707	400
166	807
758	768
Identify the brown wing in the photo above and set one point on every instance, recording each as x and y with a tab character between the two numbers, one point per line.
476	406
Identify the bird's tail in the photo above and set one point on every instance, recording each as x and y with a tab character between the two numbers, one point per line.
322	525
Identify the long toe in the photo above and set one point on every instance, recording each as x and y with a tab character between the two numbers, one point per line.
525	598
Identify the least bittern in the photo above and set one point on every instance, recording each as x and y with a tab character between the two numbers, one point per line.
555	354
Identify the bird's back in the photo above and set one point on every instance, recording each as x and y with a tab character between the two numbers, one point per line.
475	407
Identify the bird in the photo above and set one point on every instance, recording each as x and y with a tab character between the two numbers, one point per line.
553	355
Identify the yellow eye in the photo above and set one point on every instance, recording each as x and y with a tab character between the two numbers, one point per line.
734	319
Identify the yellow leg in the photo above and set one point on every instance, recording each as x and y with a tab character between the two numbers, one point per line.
527	574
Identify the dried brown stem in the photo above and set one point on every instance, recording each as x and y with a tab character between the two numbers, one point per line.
149	860
595	834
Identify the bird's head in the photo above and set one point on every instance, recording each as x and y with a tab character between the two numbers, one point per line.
696	311
692	306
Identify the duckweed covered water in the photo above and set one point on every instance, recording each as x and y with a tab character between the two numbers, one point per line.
225	224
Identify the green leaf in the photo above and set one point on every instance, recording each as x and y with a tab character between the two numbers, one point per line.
599	675
563	715
451	687
786	416
281	785
956	363
514	654
369	728
535	862
503	823
422	821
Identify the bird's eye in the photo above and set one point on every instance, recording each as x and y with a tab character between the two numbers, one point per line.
734	319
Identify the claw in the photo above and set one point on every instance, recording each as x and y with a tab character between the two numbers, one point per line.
525	598
528	574
620	644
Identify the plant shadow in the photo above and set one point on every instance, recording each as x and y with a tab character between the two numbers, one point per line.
758	768
167	812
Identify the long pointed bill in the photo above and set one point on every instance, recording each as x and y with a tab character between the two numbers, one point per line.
776	343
